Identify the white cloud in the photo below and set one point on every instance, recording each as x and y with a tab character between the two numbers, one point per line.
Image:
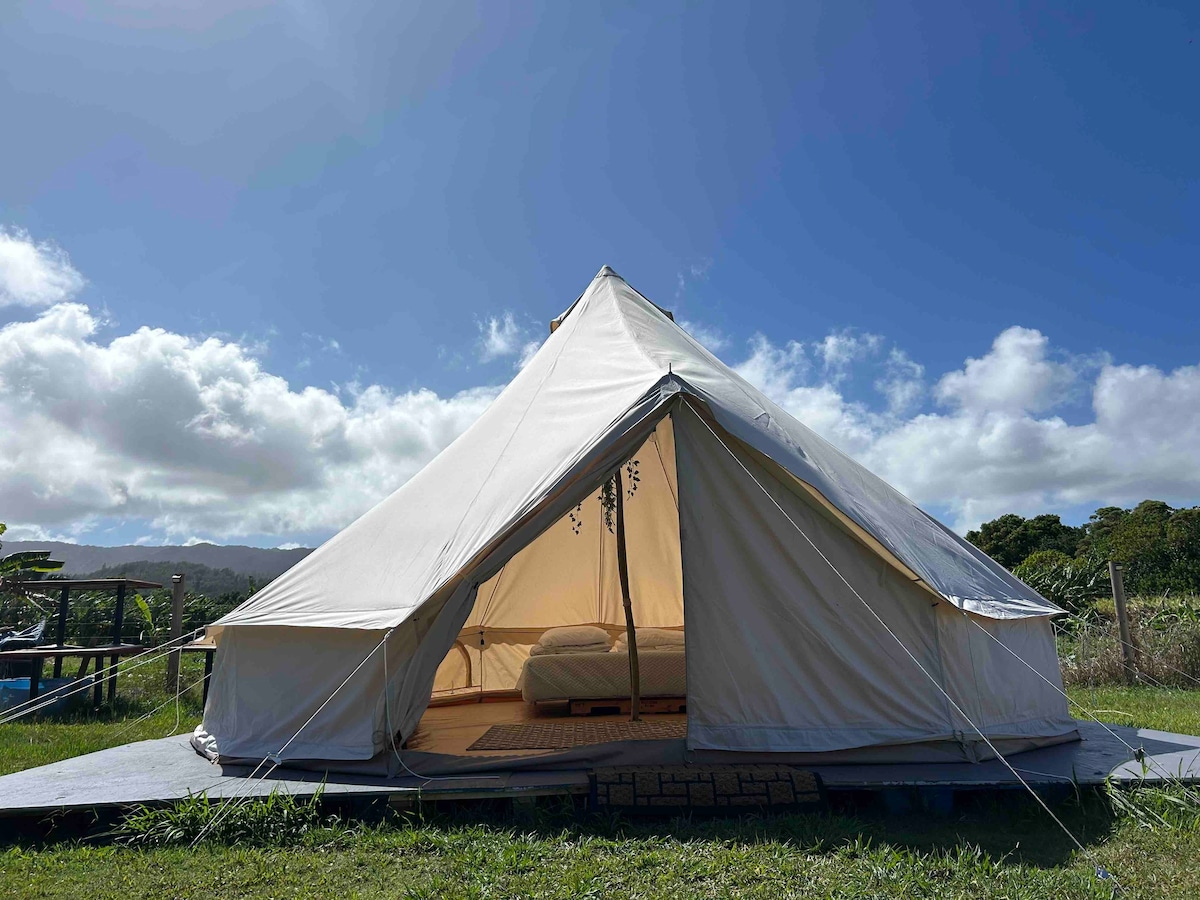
193	437
995	444
785	375
500	336
710	337
902	383
34	274
839	349
503	335
774	370
1015	375
528	352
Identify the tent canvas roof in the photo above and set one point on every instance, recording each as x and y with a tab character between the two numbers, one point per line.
616	360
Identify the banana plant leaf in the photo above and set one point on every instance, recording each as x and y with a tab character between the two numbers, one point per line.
29	561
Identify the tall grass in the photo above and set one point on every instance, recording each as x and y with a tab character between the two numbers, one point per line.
1165	632
279	819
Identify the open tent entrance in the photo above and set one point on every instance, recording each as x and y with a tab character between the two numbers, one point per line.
568	578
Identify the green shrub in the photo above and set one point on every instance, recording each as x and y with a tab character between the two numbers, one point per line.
1071	583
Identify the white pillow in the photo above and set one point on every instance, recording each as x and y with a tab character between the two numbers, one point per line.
573	636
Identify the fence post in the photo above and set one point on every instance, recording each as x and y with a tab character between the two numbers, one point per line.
176	631
1118	591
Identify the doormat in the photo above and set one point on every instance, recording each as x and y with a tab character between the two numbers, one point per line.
576	733
672	790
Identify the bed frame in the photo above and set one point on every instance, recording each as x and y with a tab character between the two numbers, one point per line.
611	705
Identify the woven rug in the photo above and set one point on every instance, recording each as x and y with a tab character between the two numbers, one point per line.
571	733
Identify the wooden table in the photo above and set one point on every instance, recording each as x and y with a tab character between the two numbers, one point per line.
38	656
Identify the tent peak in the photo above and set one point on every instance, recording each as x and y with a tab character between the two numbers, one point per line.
606	271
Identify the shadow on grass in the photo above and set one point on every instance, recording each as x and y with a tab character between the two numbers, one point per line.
1002	825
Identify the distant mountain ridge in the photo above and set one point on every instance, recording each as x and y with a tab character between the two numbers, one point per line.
82	559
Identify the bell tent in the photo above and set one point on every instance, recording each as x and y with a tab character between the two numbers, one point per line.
821	614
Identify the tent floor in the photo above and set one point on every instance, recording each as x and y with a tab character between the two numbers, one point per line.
450	730
167	769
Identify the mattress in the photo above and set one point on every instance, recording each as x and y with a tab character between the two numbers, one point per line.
600	676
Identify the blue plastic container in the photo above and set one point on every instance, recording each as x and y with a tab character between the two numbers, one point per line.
15	691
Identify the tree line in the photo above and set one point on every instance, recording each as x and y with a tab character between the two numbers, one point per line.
1157	545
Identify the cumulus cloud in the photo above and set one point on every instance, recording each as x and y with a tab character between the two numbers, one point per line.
33	273
500	336
193	436
1016	374
996	439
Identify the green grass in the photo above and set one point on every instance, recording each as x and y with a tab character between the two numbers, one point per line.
1002	851
1167	709
1003	848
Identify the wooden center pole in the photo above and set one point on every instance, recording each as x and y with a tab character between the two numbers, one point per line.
635	681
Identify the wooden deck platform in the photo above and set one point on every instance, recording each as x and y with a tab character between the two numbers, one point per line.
159	771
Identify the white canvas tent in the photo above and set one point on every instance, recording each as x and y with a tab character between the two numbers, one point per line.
442	588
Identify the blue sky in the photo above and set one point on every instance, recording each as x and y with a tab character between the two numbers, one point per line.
347	195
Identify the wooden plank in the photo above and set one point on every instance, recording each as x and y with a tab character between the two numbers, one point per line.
85	584
55	652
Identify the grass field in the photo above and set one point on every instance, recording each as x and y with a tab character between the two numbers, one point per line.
1001	848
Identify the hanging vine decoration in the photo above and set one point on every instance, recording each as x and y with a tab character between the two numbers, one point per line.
632	478
576	517
608	502
608	493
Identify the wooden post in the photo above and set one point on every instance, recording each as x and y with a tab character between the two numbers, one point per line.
64	605
208	664
119	614
635	678
1118	590
118	625
176	631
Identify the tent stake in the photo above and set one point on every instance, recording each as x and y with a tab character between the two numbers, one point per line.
635	681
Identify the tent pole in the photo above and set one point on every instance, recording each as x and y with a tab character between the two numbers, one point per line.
635	681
